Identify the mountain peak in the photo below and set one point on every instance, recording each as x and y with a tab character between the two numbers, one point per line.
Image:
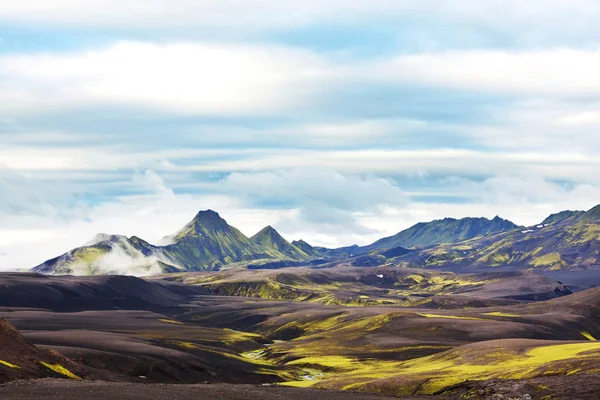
204	222
210	220
268	234
269	238
105	237
305	247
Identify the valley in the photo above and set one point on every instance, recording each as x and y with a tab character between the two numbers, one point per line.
456	309
353	329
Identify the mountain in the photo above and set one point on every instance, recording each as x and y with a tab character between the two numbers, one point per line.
269	238
447	230
307	248
207	242
110	254
592	216
563	216
565	241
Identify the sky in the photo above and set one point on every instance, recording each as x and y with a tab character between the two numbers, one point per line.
337	122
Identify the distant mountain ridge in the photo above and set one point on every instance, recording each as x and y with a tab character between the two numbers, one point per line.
205	243
447	230
565	240
427	234
563	216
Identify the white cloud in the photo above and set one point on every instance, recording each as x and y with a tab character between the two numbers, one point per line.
420	162
554	72
316	185
202	78
188	78
543	127
323	201
586	118
580	15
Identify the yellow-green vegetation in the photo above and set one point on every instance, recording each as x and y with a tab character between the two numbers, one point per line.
89	254
9	365
588	336
344	324
170	321
335	363
415	278
448	316
255	359
310	377
500	314
437	284
582	233
408	290
185	345
59	369
553	261
431	374
233	337
497	254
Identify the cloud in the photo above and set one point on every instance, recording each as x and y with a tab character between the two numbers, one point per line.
323	200
318	185
488	112
553	72
186	78
586	118
533	15
224	79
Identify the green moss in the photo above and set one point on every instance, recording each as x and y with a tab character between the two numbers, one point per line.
431	374
59	369
500	314
170	321
9	365
588	336
551	260
448	316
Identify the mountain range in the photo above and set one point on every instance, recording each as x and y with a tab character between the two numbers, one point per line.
205	243
566	240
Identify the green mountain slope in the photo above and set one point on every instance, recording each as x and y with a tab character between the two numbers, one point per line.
205	243
269	238
592	216
448	230
110	254
307	248
563	216
571	241
209	243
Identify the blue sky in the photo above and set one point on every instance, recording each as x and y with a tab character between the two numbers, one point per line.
336	122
